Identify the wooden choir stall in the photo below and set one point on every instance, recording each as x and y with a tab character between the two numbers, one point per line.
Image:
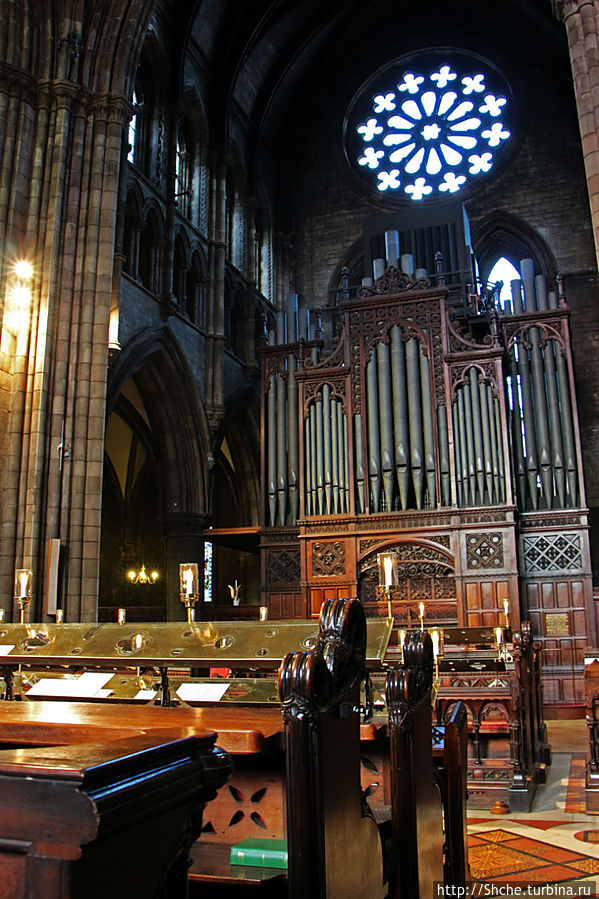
298	744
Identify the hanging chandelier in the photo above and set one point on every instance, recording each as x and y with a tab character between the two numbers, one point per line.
142	576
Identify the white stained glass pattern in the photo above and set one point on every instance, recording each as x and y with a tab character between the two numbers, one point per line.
433	130
207	572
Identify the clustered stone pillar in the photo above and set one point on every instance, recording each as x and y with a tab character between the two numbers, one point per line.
582	25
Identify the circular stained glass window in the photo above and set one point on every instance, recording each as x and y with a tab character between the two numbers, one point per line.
428	127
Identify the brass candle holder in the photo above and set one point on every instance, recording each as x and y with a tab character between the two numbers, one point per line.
387	566
189	591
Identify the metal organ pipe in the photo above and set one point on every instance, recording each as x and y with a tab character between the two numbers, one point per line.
479	462
386	421
328	448
335	454
555	422
429	429
567	426
400	414
415	417
360	497
486	433
372	421
531	463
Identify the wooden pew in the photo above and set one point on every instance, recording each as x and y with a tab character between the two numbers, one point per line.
93	804
450	754
417	823
334	845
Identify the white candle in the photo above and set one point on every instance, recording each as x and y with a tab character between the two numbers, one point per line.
23	582
388	570
122	614
498	636
421	607
506	608
263	613
188	581
435	639
402	638
138	641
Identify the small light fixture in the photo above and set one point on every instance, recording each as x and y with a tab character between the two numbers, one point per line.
22	591
142	576
189	587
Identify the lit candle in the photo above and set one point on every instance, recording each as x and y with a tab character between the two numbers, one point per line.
2	613
59	614
506	609
263	613
388	570
122	615
138	641
421	611
188	581
435	639
498	636
402	638
23	584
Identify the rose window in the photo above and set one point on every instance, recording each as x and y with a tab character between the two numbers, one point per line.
426	130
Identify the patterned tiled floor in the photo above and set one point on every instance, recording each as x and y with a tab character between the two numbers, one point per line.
557	842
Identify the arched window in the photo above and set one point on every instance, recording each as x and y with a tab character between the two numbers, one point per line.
503	271
131	235
149	254
194	303
183	172
180	273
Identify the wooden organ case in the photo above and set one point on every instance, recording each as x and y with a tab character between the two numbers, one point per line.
441	424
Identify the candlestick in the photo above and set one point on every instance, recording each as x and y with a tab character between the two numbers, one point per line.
22	592
189	591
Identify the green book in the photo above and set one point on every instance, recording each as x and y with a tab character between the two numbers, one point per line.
260	853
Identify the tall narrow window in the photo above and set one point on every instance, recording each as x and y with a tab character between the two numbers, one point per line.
207	572
131	134
183	176
503	271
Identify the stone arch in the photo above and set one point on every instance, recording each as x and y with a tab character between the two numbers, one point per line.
507	235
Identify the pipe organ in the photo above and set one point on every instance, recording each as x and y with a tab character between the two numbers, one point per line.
440	423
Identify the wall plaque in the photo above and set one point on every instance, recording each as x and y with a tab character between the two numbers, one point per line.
557	624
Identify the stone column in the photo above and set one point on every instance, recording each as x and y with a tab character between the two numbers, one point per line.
582	25
184	542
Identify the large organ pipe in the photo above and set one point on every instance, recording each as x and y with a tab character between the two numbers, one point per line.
500	455
386	420
400	415
531	463
527	270
479	462
272	449
458	454
567	426
360	495
516	286
281	447
392	248
335	454
429	430
463	449
541	292
372	420
541	417
493	438
442	430
308	468
328	448
319	456
557	444
470	448
345	459
517	418
415	417
486	431
293	456
313	461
